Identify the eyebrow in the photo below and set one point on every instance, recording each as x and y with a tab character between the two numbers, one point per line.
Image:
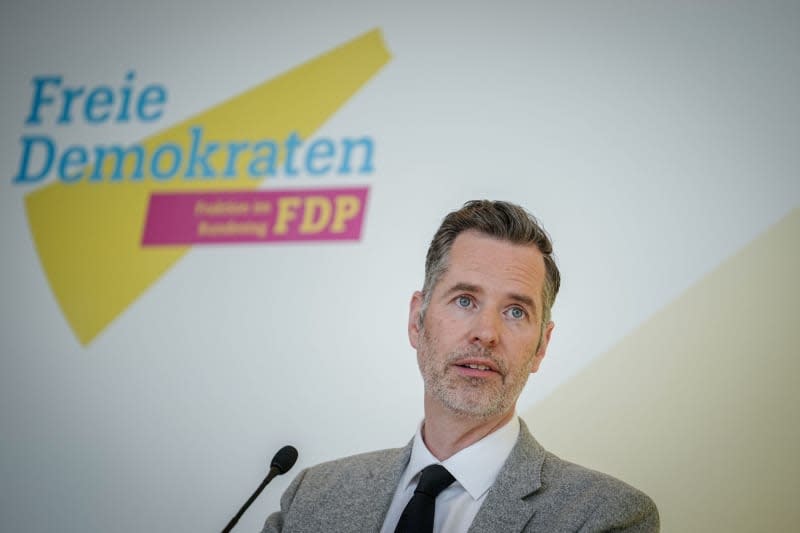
462	287
468	287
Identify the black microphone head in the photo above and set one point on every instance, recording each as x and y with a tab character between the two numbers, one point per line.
284	459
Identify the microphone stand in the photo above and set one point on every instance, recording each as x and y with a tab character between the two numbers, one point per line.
273	471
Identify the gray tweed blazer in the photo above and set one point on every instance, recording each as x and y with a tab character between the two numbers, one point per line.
534	491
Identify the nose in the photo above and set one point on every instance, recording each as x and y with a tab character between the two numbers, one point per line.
486	329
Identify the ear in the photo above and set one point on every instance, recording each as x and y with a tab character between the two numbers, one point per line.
547	331
414	309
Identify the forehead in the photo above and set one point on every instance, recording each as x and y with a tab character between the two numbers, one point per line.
496	265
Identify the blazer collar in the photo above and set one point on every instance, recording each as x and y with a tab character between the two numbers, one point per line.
507	506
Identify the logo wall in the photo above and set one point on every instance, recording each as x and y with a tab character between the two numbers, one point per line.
104	233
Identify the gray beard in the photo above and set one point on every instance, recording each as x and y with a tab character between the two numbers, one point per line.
469	396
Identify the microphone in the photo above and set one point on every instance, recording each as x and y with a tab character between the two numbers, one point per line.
282	462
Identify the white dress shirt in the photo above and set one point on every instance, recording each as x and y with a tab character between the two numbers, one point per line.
475	469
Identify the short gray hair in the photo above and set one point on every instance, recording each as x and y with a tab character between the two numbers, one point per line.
501	220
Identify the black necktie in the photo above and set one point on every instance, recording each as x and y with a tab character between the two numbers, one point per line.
417	517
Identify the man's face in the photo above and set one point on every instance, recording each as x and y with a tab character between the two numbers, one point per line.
482	333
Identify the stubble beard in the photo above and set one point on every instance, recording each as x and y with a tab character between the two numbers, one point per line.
469	396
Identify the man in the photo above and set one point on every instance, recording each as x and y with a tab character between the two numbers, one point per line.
480	325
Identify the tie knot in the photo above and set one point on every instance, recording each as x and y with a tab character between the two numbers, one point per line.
433	480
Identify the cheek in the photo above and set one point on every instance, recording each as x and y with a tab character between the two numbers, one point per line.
528	351
435	329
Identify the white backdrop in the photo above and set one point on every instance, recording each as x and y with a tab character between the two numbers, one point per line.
653	139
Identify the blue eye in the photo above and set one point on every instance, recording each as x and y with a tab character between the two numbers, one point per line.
463	301
516	313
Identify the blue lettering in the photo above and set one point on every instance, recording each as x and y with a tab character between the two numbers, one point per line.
39	98
72	156
152	95
234	149
366	165
155	163
321	149
201	158
263	165
100	99
293	141
125	92
101	168
70	95
23	175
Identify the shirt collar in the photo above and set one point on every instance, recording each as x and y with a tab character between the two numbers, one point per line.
475	467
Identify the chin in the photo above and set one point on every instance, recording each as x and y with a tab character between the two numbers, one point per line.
475	407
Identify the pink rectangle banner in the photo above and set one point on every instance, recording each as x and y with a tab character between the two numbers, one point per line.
255	216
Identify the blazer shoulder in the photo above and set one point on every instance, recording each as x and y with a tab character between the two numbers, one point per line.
359	464
605	501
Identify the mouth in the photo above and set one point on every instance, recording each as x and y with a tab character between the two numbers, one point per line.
476	368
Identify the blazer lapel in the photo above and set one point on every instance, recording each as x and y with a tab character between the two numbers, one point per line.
507	507
371	503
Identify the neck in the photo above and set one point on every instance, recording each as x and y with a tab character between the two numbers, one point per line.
446	433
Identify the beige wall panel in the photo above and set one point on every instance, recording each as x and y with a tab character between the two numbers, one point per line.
700	406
